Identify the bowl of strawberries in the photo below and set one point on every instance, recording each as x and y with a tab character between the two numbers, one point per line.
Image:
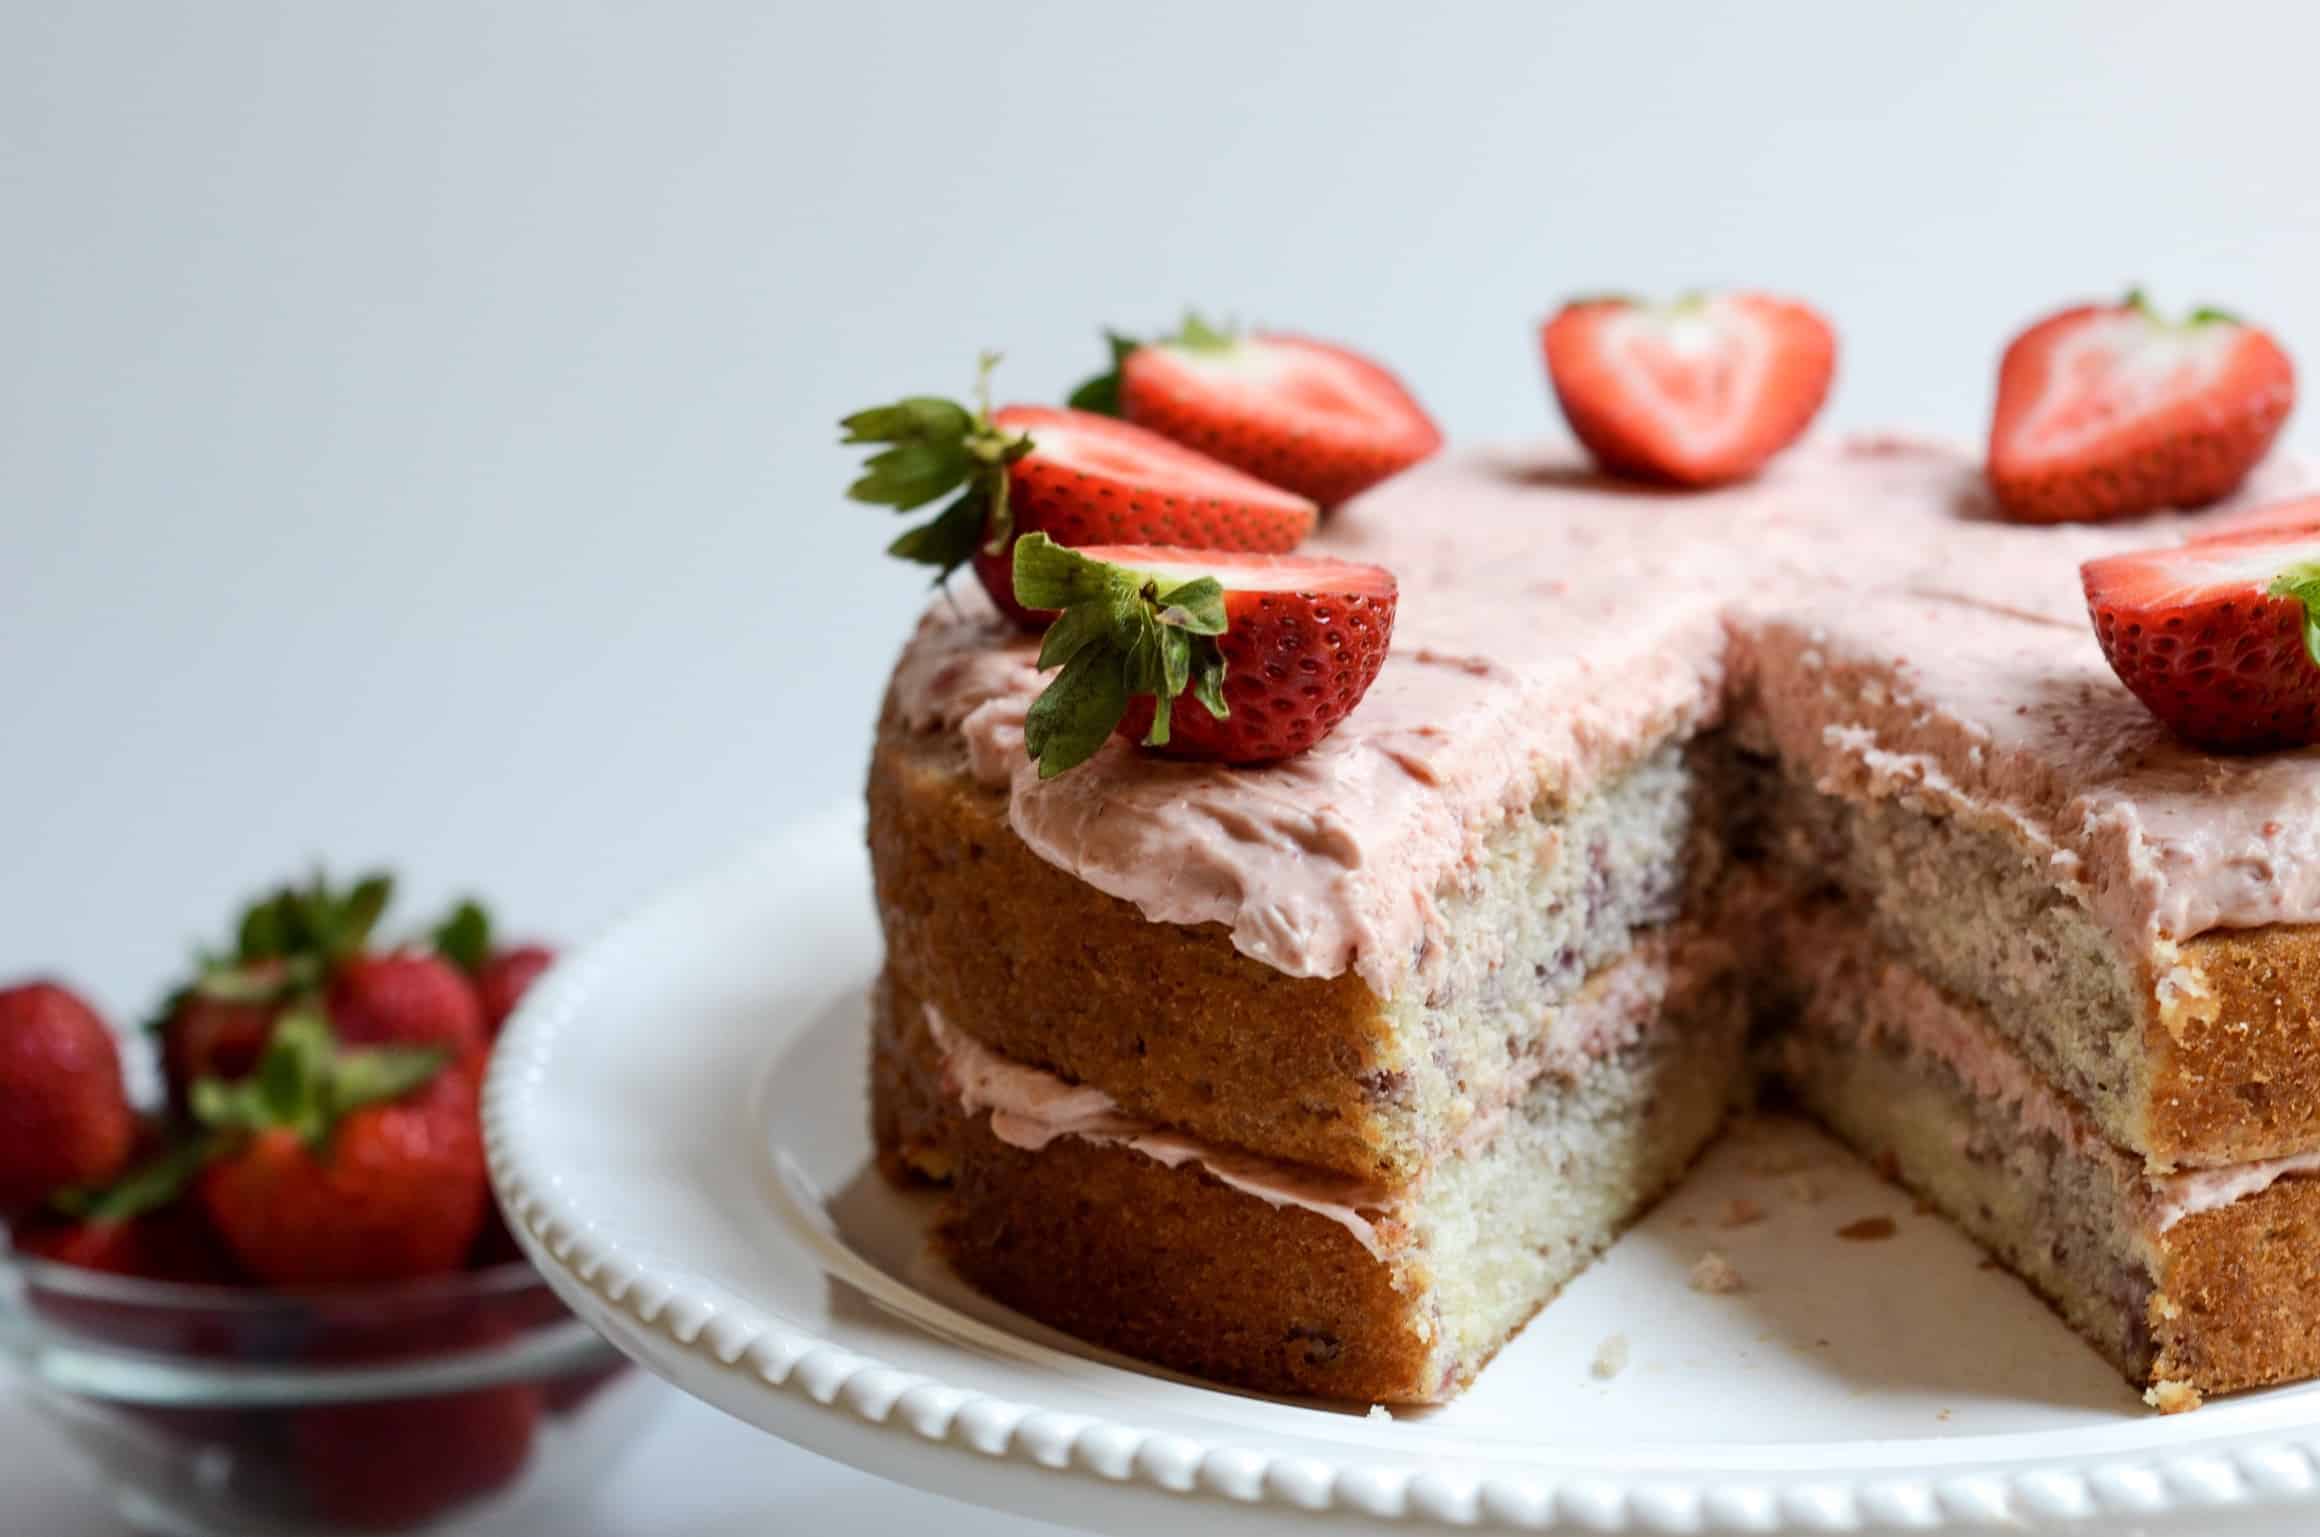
273	1297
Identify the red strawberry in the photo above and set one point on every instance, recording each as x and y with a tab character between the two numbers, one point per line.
501	974
1700	392
402	1463
351	1165
65	1118
2217	639
1078	477
1317	419
393	1464
170	1244
218	1027
506	977
407	998
2107	411
2263	525
1276	649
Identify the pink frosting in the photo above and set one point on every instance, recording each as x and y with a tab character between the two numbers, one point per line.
1031	1107
1555	625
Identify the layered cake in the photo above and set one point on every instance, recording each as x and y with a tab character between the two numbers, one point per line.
1320	1075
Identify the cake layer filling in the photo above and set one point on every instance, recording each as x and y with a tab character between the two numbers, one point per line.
1030	1107
1847	986
1555	626
1666	975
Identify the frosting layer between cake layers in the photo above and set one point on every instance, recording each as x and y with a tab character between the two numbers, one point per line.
1555	625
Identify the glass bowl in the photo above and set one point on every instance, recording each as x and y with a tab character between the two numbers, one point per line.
221	1412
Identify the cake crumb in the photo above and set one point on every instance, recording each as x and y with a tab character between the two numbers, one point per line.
1739	1212
1868	1229
1610	1358
2172	1397
1804	1189
1713	1274
1943	1416
1380	1412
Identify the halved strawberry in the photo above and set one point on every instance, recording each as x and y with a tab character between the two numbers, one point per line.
1076	476
1321	420
2109	411
2279	520
2217	639
1276	649
1699	392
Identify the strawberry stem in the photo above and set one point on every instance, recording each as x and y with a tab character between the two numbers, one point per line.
1120	633
935	448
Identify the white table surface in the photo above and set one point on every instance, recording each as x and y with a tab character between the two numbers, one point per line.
416	421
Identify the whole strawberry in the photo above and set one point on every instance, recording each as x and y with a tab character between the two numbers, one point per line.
1311	417
1274	650
218	1026
345	1166
407	998
2217	639
2111	411
501	974
393	1464
65	1118
284	946
1078	477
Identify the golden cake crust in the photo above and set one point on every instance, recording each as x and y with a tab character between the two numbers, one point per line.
2235	1063
2234	1306
1172	1022
1167	1265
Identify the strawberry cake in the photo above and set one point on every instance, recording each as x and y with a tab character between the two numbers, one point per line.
1311	942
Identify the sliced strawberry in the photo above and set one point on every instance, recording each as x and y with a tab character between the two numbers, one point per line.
1700	392
1275	649
1078	477
1321	420
2217	639
2109	411
2263	525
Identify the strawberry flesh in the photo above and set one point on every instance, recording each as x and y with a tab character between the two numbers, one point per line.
2201	637
1701	392
1092	479
1318	419
2108	411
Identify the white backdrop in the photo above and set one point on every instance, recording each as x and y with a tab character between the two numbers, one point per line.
416	421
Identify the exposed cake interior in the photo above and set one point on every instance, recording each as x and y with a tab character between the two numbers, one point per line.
1834	729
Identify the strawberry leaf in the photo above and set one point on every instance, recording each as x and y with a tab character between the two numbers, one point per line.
1121	633
307	1083
464	938
156	1183
2302	582
1102	393
937	448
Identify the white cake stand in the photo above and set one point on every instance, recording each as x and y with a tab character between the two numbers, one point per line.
677	1120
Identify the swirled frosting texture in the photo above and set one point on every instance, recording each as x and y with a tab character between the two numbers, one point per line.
1555	625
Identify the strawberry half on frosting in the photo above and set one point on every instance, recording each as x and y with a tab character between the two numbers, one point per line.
1078	477
2112	411
2218	639
1313	417
1274	650
1700	392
